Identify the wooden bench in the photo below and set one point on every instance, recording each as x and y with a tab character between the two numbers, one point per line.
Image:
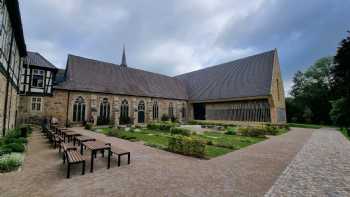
119	152
73	157
57	140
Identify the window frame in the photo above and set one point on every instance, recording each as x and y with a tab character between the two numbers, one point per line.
36	104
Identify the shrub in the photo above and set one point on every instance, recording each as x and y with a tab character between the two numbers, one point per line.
271	130
20	140
187	146
164	117
14	133
173	119
161	126
230	131
114	132
180	131
252	131
15	147
5	150
10	162
88	126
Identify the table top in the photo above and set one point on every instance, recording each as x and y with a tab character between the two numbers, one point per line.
66	131
72	133
96	145
83	138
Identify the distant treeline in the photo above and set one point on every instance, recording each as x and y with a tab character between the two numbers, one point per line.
321	94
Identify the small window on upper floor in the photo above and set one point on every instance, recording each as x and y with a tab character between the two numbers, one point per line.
36	104
38	78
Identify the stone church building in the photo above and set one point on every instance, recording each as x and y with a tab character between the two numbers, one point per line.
247	90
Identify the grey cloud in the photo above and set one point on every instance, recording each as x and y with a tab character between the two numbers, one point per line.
171	37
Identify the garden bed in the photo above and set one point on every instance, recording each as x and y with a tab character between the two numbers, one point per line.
11	148
216	144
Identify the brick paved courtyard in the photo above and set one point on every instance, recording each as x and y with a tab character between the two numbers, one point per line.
321	168
152	172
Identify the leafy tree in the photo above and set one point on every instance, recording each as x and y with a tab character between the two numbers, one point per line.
341	84
311	94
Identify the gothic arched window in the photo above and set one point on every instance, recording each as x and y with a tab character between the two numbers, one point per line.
155	110
79	110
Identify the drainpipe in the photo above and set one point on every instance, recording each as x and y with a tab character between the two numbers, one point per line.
67	108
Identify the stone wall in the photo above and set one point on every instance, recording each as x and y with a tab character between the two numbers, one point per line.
2	100
56	106
277	99
12	101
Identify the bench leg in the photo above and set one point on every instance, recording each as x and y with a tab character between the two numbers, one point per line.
64	158
83	172
128	158
118	160
68	170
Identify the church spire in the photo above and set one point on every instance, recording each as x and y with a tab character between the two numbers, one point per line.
123	58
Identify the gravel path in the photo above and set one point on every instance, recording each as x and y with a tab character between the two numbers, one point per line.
152	172
321	168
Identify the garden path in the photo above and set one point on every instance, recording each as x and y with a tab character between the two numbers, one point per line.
247	172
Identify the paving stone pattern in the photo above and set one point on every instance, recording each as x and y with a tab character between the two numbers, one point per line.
321	168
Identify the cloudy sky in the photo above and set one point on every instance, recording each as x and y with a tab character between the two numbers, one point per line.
176	36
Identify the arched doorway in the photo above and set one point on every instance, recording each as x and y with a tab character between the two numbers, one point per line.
124	112
141	112
104	112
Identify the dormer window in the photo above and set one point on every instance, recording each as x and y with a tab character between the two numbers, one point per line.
38	78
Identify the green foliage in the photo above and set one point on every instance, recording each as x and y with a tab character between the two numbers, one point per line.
180	131
308	126
88	126
252	131
187	146
211	123
20	140
14	133
158	146
231	131
10	162
125	120
161	126
164	118
311	90
14	147
340	112
345	132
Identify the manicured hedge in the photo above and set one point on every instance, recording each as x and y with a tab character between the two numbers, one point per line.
252	131
187	146
180	131
162	126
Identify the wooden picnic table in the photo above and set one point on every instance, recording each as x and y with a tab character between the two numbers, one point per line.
82	138
96	146
60	129
70	136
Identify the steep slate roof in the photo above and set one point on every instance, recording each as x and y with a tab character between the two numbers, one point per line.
60	76
84	74
246	77
36	59
16	23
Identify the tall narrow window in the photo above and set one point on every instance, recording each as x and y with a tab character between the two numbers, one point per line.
79	110
104	112
171	110
36	104
124	112
141	112
38	78
155	110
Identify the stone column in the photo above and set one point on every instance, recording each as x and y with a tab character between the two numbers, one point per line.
116	110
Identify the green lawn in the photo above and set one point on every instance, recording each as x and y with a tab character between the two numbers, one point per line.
308	126
220	143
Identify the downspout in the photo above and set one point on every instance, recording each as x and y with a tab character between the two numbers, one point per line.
67	111
7	88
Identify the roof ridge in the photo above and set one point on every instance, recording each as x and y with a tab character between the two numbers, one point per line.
239	59
119	66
